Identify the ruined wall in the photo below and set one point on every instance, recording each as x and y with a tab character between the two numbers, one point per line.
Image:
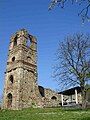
51	99
21	90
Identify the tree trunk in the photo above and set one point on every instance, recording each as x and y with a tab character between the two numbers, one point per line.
84	100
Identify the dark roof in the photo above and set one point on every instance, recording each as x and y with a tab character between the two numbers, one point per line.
71	91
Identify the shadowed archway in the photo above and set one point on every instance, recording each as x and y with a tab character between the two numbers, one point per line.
9	100
54	98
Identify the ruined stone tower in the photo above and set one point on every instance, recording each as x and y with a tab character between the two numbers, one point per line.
20	90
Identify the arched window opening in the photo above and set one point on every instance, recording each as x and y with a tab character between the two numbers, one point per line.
13	59
9	100
11	78
41	90
53	98
28	43
15	41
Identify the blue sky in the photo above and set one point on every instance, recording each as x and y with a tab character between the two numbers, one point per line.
49	27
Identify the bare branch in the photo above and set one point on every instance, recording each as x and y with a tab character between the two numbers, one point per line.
84	13
72	60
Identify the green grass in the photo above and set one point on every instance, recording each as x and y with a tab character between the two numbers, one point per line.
45	114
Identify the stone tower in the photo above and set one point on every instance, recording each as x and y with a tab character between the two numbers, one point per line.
21	90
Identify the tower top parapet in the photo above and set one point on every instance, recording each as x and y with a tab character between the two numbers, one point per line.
22	37
23	33
19	33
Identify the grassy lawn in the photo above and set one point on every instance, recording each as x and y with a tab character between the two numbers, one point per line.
45	114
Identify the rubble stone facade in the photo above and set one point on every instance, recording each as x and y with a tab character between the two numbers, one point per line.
21	89
49	97
52	98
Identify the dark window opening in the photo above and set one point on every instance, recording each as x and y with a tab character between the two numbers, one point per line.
53	98
9	100
11	78
15	41
31	90
13	59
28	57
41	90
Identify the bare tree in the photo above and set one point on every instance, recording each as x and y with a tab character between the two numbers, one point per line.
85	4
73	63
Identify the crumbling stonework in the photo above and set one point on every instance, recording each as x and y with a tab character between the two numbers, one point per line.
49	97
21	73
21	89
52	99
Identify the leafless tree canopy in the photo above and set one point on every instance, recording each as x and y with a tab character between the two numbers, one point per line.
73	61
84	12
